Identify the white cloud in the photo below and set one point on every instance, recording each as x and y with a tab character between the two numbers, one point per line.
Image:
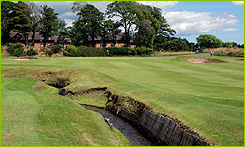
69	22
68	14
187	22
239	3
164	5
159	4
232	16
230	30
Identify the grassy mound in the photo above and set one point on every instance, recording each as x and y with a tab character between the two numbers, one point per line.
33	115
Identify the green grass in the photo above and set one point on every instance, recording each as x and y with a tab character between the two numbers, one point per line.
33	114
95	98
209	98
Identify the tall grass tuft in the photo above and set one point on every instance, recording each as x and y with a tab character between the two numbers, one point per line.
234	52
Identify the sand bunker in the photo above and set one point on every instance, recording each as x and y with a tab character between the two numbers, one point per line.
204	60
26	58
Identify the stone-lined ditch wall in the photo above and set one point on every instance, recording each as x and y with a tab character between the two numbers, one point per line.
157	128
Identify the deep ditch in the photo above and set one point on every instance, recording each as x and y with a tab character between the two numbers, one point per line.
130	132
159	129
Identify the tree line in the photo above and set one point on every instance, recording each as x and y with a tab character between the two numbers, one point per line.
144	24
26	17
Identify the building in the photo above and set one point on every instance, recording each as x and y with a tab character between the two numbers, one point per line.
119	42
16	37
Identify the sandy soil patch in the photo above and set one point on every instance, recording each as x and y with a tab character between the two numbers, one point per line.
27	58
204	60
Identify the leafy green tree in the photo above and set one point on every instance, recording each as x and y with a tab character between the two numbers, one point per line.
92	18
208	41
6	26
21	19
234	44
48	23
227	44
128	13
175	44
35	17
159	42
64	34
145	27
159	22
152	24
77	6
110	31
78	34
145	35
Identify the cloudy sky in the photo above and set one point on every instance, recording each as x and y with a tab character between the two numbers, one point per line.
224	19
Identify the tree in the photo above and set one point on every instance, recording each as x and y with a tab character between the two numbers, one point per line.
208	41
64	33
127	11
78	34
227	44
48	23
145	35
176	45
77	6
159	22
21	19
91	17
6	26
35	19
110	31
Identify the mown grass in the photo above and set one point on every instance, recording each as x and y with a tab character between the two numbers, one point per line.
209	98
32	114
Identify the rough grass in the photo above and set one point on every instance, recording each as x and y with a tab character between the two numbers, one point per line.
209	98
32	114
233	52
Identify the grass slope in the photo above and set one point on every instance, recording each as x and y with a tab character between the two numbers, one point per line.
32	114
207	97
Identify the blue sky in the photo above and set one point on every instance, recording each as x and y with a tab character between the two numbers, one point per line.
224	19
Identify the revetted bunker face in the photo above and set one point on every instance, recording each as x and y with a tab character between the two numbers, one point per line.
204	60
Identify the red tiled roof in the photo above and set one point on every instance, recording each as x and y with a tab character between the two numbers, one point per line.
118	37
37	36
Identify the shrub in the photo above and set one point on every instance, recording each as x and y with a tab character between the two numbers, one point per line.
132	51
49	52
117	51
46	51
15	49
56	48
71	51
31	52
90	51
143	51
235	52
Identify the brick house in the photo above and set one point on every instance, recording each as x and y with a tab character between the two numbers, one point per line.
16	37
119	42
